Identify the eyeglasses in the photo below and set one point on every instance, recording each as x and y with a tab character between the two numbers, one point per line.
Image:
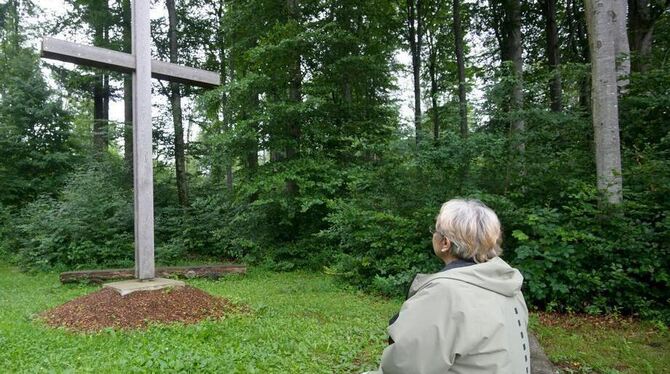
432	231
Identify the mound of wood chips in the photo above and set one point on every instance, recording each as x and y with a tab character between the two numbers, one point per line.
107	308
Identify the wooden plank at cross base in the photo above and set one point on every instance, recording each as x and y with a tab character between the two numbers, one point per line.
204	271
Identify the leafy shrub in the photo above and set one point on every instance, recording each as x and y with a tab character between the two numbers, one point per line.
170	253
378	250
90	224
574	255
576	259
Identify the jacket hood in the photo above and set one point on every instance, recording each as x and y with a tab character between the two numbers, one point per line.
494	275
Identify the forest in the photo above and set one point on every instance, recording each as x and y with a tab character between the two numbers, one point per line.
339	129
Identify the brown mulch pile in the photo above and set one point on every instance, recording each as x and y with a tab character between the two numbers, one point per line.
107	308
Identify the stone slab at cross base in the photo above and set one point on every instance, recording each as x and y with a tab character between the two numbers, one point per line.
539	362
129	286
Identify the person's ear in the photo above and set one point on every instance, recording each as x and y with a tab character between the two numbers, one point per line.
446	244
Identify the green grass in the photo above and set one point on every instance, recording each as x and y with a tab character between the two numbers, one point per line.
300	322
582	344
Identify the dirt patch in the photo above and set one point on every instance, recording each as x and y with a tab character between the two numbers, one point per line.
107	308
576	321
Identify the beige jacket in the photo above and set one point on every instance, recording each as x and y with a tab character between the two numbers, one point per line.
467	320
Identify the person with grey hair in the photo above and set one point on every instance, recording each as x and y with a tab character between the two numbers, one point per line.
471	316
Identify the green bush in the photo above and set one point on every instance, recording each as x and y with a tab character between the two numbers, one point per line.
574	254
89	224
380	251
577	259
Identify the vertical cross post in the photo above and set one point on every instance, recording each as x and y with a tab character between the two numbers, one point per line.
142	143
142	68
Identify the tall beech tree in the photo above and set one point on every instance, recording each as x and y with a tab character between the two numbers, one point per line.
553	53
512	51
176	109
414	18
608	40
98	15
643	15
127	89
294	97
433	33
460	62
506	22
578	47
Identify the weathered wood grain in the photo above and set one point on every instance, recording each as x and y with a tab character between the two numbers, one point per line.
86	55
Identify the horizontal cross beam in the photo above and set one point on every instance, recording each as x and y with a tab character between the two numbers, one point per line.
123	62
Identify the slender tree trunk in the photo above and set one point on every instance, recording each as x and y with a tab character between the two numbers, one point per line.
127	91
99	120
619	17
460	61
14	8
579	46
226	72
513	21
294	98
175	103
415	36
641	33
432	71
101	85
602	17
553	54
252	156
643	15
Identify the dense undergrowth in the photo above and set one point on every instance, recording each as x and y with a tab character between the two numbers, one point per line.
369	225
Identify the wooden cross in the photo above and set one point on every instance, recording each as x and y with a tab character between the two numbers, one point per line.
140	64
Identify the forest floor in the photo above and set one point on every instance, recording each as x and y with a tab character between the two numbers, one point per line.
297	322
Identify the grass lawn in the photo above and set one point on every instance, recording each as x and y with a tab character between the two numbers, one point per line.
610	344
300	322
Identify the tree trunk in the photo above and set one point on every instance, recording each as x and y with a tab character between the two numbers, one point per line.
580	47
99	120
175	103
101	85
511	50
619	17
127	91
601	18
643	15
641	32
516	55
252	155
553	54
460	61
432	70
294	98
415	36
226	66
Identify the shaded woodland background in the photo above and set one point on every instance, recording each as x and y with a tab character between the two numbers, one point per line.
301	160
